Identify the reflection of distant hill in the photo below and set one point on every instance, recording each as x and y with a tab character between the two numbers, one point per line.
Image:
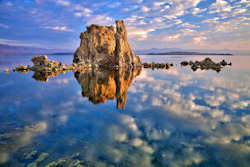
6	50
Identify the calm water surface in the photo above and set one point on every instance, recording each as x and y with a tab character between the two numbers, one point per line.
141	118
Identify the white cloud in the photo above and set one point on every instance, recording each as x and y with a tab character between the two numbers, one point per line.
158	3
220	6
59	28
80	11
172	37
62	2
188	25
138	1
239	11
9	4
114	5
4	26
188	32
138	33
212	20
199	40
145	9
16	42
99	19
198	10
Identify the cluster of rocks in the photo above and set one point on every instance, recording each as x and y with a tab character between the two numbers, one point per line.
43	64
206	64
154	65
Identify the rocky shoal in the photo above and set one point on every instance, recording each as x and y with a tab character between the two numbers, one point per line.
43	65
206	64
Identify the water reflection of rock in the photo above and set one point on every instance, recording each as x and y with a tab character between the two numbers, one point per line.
102	85
44	76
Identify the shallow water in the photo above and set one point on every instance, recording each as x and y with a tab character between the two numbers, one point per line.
168	117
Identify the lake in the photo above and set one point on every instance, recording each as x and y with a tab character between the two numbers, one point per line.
142	117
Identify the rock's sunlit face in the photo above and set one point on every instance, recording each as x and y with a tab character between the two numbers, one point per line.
200	24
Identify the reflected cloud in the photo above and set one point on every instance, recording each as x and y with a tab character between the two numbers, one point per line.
173	118
12	141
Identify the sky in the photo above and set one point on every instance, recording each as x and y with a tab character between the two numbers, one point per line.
186	24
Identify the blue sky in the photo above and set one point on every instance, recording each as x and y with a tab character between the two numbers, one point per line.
187	24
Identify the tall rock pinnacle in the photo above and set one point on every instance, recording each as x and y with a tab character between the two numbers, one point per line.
104	46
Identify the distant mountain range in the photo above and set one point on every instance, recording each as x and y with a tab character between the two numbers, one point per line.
178	51
28	50
189	53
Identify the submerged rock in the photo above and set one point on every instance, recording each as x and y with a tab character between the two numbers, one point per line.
39	160
103	46
42	157
57	163
31	155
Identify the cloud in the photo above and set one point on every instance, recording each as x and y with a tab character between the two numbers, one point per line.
62	2
172	37
99	19
188	32
4	26
239	11
138	33
114	5
198	11
188	25
16	42
220	6
80	11
158	3
145	9
59	28
199	40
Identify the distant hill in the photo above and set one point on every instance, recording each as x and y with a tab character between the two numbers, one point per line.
156	50
62	53
179	51
189	53
6	50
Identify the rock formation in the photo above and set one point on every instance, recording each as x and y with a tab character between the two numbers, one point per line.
100	86
104	46
44	76
206	64
154	65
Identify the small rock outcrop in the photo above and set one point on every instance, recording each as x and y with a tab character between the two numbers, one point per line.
106	47
154	65
206	64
